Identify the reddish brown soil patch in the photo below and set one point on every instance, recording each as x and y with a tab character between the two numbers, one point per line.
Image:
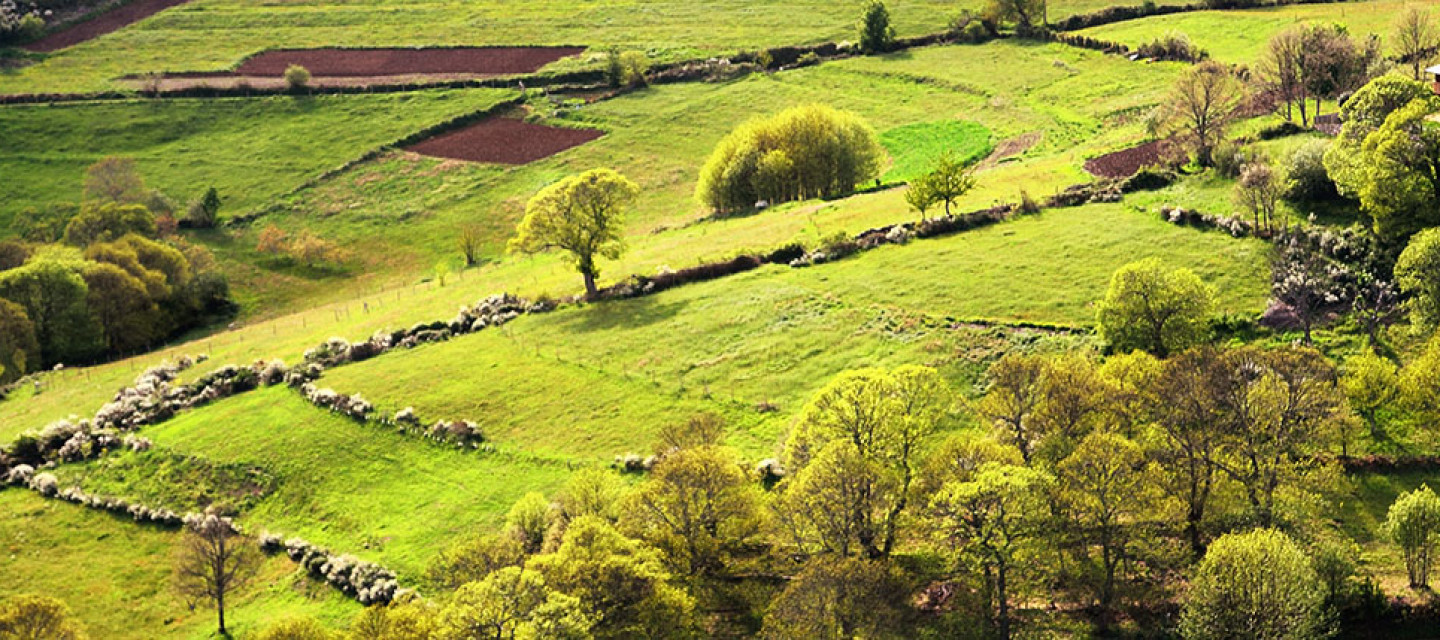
1123	164
180	82
101	24
504	141
388	62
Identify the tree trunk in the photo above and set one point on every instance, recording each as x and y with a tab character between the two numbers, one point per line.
590	290
1004	601
220	611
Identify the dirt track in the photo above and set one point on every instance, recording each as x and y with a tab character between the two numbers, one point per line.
101	25
388	62
504	141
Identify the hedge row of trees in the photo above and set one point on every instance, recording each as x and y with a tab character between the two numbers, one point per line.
111	280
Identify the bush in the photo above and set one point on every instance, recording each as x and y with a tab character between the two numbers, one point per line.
802	152
204	212
296	77
1309	181
1173	46
876	34
1254	585
1229	159
974	32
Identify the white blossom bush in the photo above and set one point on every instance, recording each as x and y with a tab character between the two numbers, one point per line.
463	433
20	474
367	582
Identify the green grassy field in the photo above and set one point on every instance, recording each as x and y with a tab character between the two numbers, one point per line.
1239	36
250	150
217	34
914	148
115	575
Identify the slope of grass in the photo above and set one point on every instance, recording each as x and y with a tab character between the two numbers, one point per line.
387	497
776	334
250	150
1240	36
115	574
216	34
914	148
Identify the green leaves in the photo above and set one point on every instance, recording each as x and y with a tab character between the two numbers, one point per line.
1155	309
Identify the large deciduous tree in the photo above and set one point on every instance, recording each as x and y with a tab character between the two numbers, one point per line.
873	423
1202	103
1106	488
583	215
696	507
1415	38
1155	309
1418	272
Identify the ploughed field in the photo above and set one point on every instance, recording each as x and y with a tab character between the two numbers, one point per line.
504	141
100	25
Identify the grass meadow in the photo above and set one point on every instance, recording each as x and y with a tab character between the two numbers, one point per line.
208	35
1239	36
115	575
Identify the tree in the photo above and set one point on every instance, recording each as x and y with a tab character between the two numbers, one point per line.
119	301
1413	522
54	296
1376	305
837	597
883	419
990	520
1105	485
1388	154
1415	38
205	212
1254	585
1305	283
296	77
19	349
823	152
1418	272
108	221
1259	191
621	583
469	241
271	241
1203	102
948	181
114	180
1332	63
1158	310
1281	69
473	558
1272	408
214	561
583	215
1184	407
297	629
27	617
1420	383
1372	384
696	506
1026	14
876	34
513	603
528	520
1013	398
919	196
407	618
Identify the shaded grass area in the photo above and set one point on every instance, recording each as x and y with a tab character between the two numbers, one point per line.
914	148
1240	36
163	479
216	34
386	497
250	150
115	574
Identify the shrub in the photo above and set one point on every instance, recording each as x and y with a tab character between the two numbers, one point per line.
1412	523
1309	181
1254	585
204	212
1229	159
296	77
1173	46
802	152
1028	205
633	67
974	32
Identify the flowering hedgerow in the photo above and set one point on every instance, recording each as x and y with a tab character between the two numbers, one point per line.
367	582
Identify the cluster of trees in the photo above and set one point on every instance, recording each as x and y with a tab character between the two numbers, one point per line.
108	281
1316	62
802	152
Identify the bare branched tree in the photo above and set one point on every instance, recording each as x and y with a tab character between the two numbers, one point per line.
214	560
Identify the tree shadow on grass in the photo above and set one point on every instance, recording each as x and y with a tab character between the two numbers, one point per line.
622	314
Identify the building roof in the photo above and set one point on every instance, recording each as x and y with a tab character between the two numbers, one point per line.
1434	69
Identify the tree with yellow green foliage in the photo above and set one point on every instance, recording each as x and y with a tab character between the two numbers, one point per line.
583	215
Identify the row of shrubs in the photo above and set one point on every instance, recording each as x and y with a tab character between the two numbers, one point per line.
367	582
46	484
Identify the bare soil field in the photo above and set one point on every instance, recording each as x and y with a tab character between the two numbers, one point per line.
1124	163
101	25
504	141
388	62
